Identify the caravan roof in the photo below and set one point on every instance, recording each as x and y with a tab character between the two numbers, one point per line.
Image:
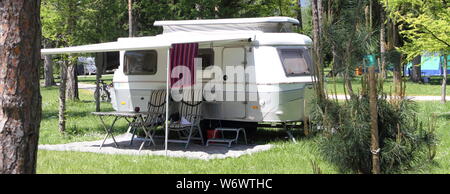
229	21
263	24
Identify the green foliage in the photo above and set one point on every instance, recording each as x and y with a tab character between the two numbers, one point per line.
346	134
75	22
424	23
344	30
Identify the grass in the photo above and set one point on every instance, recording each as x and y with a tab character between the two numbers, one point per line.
90	79
441	163
285	157
412	89
80	124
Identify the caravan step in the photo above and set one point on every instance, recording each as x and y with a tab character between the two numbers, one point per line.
228	141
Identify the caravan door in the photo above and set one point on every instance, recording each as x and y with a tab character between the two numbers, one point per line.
233	65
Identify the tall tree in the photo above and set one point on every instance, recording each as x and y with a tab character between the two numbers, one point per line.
444	79
425	26
299	14
130	19
49	80
62	98
48	71
68	12
72	79
20	99
383	43
317	49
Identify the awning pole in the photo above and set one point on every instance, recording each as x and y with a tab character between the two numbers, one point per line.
167	100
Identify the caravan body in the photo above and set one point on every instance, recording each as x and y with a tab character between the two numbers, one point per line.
278	64
280	61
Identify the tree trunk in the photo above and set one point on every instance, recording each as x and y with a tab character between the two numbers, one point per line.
130	19
320	13
20	99
299	15
383	43
398	79
72	82
317	51
373	96
48	71
99	61
444	79
62	98
337	65
393	42
416	72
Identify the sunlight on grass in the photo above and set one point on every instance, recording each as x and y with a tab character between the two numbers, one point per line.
285	157
412	89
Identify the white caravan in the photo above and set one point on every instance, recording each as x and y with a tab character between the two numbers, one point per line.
279	59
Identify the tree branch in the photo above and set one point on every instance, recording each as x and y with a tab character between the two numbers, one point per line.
437	38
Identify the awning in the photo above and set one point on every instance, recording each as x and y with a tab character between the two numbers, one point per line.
146	43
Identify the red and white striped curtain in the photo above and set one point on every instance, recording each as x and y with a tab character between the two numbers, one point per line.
183	55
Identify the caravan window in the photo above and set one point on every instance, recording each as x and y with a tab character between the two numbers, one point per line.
140	62
207	56
295	61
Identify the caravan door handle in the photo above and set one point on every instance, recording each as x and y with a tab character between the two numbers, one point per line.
225	78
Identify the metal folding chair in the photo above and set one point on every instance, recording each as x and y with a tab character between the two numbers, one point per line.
188	127
154	117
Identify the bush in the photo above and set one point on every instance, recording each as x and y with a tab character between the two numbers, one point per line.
345	139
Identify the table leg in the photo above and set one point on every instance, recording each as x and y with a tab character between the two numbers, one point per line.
131	129
148	134
108	131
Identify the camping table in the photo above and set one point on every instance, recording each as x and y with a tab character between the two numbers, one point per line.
136	116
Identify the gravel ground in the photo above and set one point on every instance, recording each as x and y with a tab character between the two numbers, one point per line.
195	151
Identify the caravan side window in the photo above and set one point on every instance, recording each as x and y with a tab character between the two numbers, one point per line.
207	56
140	62
295	61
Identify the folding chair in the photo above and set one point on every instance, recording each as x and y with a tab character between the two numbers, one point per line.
154	116
188	127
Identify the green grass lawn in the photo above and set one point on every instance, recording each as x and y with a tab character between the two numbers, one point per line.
412	89
90	79
285	157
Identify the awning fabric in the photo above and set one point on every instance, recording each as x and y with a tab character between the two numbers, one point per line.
146	43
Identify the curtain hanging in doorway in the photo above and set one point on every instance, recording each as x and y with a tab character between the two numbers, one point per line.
183	55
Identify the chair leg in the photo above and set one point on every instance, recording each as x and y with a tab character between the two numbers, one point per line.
245	136
201	135
133	129
189	137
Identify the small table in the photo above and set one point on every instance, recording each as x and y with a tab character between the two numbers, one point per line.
136	116
228	141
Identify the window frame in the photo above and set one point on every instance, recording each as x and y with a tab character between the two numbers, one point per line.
206	51
126	69
309	66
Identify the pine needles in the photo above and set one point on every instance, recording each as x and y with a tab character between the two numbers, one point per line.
345	139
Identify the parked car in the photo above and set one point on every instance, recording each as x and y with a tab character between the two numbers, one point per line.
86	66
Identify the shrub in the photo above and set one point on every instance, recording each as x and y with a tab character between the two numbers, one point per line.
346	137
